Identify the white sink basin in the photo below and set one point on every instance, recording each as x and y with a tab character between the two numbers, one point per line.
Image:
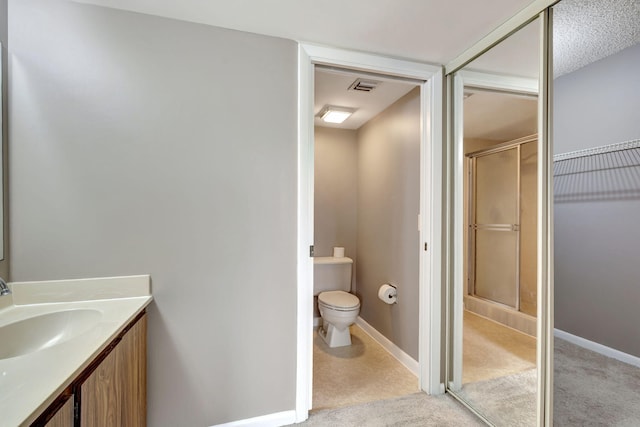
46	330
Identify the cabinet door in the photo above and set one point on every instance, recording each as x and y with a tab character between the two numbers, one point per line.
115	393
64	416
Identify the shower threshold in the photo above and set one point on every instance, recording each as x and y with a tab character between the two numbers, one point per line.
499	313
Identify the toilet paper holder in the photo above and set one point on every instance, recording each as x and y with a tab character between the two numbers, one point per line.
388	294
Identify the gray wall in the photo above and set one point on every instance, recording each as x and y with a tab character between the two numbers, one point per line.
145	145
388	207
335	191
596	243
598	104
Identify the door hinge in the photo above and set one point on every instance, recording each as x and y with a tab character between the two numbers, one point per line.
426	245
311	248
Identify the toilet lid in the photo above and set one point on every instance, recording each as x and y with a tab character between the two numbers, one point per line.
339	299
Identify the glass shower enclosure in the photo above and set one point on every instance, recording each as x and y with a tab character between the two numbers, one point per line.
502	225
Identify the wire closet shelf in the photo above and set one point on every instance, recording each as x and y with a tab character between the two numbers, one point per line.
610	172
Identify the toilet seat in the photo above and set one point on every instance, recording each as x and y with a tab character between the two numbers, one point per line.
339	301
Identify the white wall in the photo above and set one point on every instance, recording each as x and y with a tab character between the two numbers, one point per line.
145	145
388	207
596	242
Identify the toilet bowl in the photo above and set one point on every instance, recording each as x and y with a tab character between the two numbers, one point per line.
338	310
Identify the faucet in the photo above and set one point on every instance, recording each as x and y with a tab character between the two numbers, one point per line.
4	289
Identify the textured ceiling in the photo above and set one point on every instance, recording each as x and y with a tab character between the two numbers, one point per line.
586	31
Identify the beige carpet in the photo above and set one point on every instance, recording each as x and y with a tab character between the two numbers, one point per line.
508	401
499	372
593	390
362	372
491	350
414	410
589	390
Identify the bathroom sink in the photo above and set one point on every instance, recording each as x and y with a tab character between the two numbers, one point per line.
46	330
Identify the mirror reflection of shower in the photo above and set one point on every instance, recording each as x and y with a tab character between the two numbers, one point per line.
493	362
500	290
501	237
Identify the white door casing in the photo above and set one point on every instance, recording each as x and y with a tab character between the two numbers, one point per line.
430	222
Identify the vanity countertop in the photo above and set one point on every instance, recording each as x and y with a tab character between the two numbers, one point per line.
29	383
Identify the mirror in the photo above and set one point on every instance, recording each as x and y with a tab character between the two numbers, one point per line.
596	140
2	131
493	344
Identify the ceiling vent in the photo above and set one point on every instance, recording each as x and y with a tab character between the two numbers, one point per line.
362	85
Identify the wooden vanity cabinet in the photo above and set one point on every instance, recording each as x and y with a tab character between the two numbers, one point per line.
112	391
63	417
115	393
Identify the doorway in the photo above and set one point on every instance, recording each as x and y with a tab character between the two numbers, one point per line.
366	201
494	367
430	82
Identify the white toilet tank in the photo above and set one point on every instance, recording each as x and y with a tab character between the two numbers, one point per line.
331	274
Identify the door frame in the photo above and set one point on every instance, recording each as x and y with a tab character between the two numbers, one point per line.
489	81
430	219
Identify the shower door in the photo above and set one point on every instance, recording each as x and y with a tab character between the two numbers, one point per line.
494	226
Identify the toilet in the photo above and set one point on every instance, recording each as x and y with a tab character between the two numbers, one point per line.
338	308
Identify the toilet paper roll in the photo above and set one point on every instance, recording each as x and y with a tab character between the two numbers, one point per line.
338	252
388	294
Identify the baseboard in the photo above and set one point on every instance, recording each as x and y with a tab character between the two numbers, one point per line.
598	348
272	420
393	349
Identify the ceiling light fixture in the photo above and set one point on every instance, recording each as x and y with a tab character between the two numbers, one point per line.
332	114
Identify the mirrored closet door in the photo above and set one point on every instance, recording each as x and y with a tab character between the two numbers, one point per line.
494	337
